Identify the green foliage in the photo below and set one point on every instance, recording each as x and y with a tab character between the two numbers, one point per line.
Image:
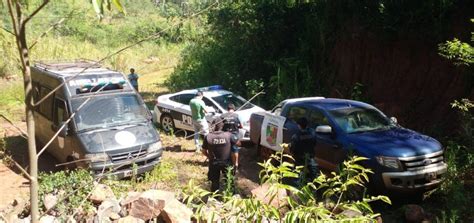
164	173
11	100
359	93
72	186
460	52
288	45
459	156
324	199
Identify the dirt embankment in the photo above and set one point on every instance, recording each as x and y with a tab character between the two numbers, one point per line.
404	76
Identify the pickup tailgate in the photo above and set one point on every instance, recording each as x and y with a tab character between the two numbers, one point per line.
256	120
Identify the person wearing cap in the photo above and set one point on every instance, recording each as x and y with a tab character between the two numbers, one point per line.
217	147
133	78
232	124
198	111
302	149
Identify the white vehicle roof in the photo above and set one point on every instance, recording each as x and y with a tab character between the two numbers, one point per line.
210	93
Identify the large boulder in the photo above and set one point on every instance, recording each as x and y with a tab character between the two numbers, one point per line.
100	193
150	204
176	212
131	197
262	193
107	209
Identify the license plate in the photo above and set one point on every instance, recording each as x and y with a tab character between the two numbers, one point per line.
127	173
431	176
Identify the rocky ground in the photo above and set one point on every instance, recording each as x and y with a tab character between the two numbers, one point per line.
179	158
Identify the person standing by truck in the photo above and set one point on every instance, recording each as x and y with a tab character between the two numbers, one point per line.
302	150
232	124
198	112
133	78
217	147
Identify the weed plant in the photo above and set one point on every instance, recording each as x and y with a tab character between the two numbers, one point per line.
323	199
71	187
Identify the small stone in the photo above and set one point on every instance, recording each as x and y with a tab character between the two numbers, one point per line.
50	201
114	216
107	207
261	193
414	213
47	219
131	197
130	219
100	193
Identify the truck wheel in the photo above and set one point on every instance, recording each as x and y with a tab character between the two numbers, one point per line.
70	166
167	123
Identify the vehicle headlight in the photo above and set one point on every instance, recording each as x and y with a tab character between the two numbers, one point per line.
97	157
390	162
154	147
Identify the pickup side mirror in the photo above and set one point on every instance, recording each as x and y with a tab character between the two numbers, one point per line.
394	120
324	129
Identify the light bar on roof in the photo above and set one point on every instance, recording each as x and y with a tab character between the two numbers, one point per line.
211	88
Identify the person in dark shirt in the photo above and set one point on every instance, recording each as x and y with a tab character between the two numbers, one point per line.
302	150
217	147
232	124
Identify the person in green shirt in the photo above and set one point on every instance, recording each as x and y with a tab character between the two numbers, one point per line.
198	111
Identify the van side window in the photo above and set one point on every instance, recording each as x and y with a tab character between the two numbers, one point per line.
46	107
60	112
317	118
296	112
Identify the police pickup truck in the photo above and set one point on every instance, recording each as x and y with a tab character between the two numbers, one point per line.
402	159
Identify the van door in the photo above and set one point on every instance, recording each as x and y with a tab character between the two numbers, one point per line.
44	116
60	115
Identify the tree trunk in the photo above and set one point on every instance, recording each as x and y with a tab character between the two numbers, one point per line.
30	122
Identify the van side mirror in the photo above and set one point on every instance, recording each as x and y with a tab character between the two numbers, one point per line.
63	131
324	129
394	120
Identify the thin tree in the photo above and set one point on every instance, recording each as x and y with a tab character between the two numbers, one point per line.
20	19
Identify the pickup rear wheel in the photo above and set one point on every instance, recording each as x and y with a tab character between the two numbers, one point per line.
167	123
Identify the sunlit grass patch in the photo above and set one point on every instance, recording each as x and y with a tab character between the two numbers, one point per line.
11	99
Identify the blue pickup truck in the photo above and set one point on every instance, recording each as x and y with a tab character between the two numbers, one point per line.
402	160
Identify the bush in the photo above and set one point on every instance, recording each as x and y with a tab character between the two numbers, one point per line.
72	189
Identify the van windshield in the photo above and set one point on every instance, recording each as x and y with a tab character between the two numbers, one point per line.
107	111
353	120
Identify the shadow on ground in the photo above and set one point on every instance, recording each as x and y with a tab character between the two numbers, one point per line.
17	148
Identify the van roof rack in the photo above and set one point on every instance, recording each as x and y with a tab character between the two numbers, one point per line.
66	64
